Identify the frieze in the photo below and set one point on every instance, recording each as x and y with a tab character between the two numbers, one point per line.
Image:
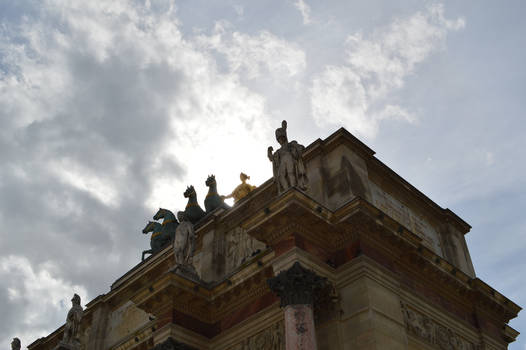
432	332
272	338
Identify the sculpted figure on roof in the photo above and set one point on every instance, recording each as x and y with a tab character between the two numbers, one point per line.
242	190
287	162
184	244
15	344
72	327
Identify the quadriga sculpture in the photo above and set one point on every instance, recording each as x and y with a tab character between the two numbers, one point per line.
213	200
169	223
158	240
193	211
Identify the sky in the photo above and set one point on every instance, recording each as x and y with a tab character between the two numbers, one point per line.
110	108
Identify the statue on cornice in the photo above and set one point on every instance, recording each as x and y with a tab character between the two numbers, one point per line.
15	344
184	244
242	190
72	327
287	162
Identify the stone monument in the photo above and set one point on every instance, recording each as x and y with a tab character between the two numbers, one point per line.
287	162
184	246
15	344
358	260
71	335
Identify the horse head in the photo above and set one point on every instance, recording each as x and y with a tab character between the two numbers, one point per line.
160	214
211	180
149	227
190	191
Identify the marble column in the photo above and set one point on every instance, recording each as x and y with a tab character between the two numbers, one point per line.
297	288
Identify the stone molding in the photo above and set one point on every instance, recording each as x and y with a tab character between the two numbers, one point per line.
272	338
171	344
297	285
432	332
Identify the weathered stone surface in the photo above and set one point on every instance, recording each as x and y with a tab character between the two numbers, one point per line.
63	346
299	328
296	286
98	327
431	332
272	338
171	344
240	247
122	322
184	244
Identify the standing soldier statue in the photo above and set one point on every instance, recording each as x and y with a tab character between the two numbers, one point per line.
15	344
287	163
184	245
72	327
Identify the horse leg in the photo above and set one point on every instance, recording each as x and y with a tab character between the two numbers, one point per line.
149	251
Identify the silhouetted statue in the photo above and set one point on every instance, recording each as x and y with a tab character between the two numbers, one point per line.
15	344
72	327
169	221
213	200
158	240
242	190
287	163
193	211
184	244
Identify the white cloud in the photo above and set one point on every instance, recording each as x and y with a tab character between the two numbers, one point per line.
108	98
42	298
304	9
239	9
206	110
253	55
375	68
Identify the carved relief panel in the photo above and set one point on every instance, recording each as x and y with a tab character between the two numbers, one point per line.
123	322
240	247
272	338
430	331
404	215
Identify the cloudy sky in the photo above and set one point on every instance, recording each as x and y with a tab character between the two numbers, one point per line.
110	108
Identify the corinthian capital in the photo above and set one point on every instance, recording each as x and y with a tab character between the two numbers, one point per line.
297	285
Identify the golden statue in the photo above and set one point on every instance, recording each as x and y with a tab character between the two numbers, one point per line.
241	190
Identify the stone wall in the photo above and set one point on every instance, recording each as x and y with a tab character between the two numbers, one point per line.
341	174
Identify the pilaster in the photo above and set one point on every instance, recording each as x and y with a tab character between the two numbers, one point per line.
297	288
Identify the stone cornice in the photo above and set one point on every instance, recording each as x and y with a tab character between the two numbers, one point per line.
362	221
375	166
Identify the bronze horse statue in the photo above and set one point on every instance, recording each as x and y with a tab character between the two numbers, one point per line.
169	223
193	212
158	240
213	200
